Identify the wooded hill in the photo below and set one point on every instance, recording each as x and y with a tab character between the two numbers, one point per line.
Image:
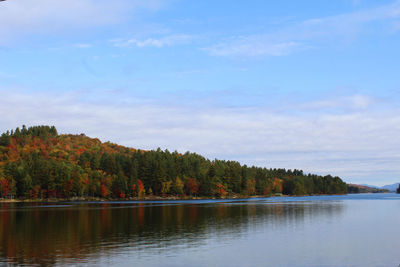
359	189
38	163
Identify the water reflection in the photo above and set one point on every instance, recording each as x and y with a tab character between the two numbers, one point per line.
49	234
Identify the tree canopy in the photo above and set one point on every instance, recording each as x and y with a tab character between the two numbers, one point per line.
37	162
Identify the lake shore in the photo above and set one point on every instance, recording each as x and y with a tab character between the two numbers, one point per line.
148	198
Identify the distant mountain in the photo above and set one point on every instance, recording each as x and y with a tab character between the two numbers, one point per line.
369	185
357	188
390	187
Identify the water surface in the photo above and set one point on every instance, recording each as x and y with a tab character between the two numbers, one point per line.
354	230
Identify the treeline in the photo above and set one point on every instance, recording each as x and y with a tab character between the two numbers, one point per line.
37	162
360	189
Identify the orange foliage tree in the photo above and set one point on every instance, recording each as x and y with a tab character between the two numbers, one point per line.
140	188
277	185
220	190
103	190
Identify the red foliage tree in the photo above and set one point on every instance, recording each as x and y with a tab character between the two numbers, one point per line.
191	186
34	193
4	187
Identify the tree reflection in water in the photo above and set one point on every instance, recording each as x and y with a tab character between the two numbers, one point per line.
44	234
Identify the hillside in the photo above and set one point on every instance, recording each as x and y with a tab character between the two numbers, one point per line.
37	163
357	189
389	187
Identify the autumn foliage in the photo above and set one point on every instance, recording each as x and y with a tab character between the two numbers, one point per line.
191	187
220	190
37	162
4	187
140	188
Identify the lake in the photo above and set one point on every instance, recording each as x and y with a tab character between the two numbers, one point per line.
354	230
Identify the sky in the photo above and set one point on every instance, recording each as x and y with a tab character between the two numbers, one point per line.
311	85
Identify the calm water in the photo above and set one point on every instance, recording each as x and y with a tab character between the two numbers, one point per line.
355	230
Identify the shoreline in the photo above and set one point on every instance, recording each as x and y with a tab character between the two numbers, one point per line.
151	198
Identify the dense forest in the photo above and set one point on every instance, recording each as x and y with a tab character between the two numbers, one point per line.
38	163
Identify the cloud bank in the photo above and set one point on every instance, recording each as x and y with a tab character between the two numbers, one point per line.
355	144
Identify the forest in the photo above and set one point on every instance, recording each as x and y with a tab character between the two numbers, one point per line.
39	163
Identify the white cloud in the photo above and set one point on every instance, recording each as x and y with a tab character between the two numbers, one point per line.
20	18
253	47
354	145
169	40
83	45
353	102
309	33
360	101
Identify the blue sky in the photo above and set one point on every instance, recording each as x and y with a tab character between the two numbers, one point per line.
312	85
